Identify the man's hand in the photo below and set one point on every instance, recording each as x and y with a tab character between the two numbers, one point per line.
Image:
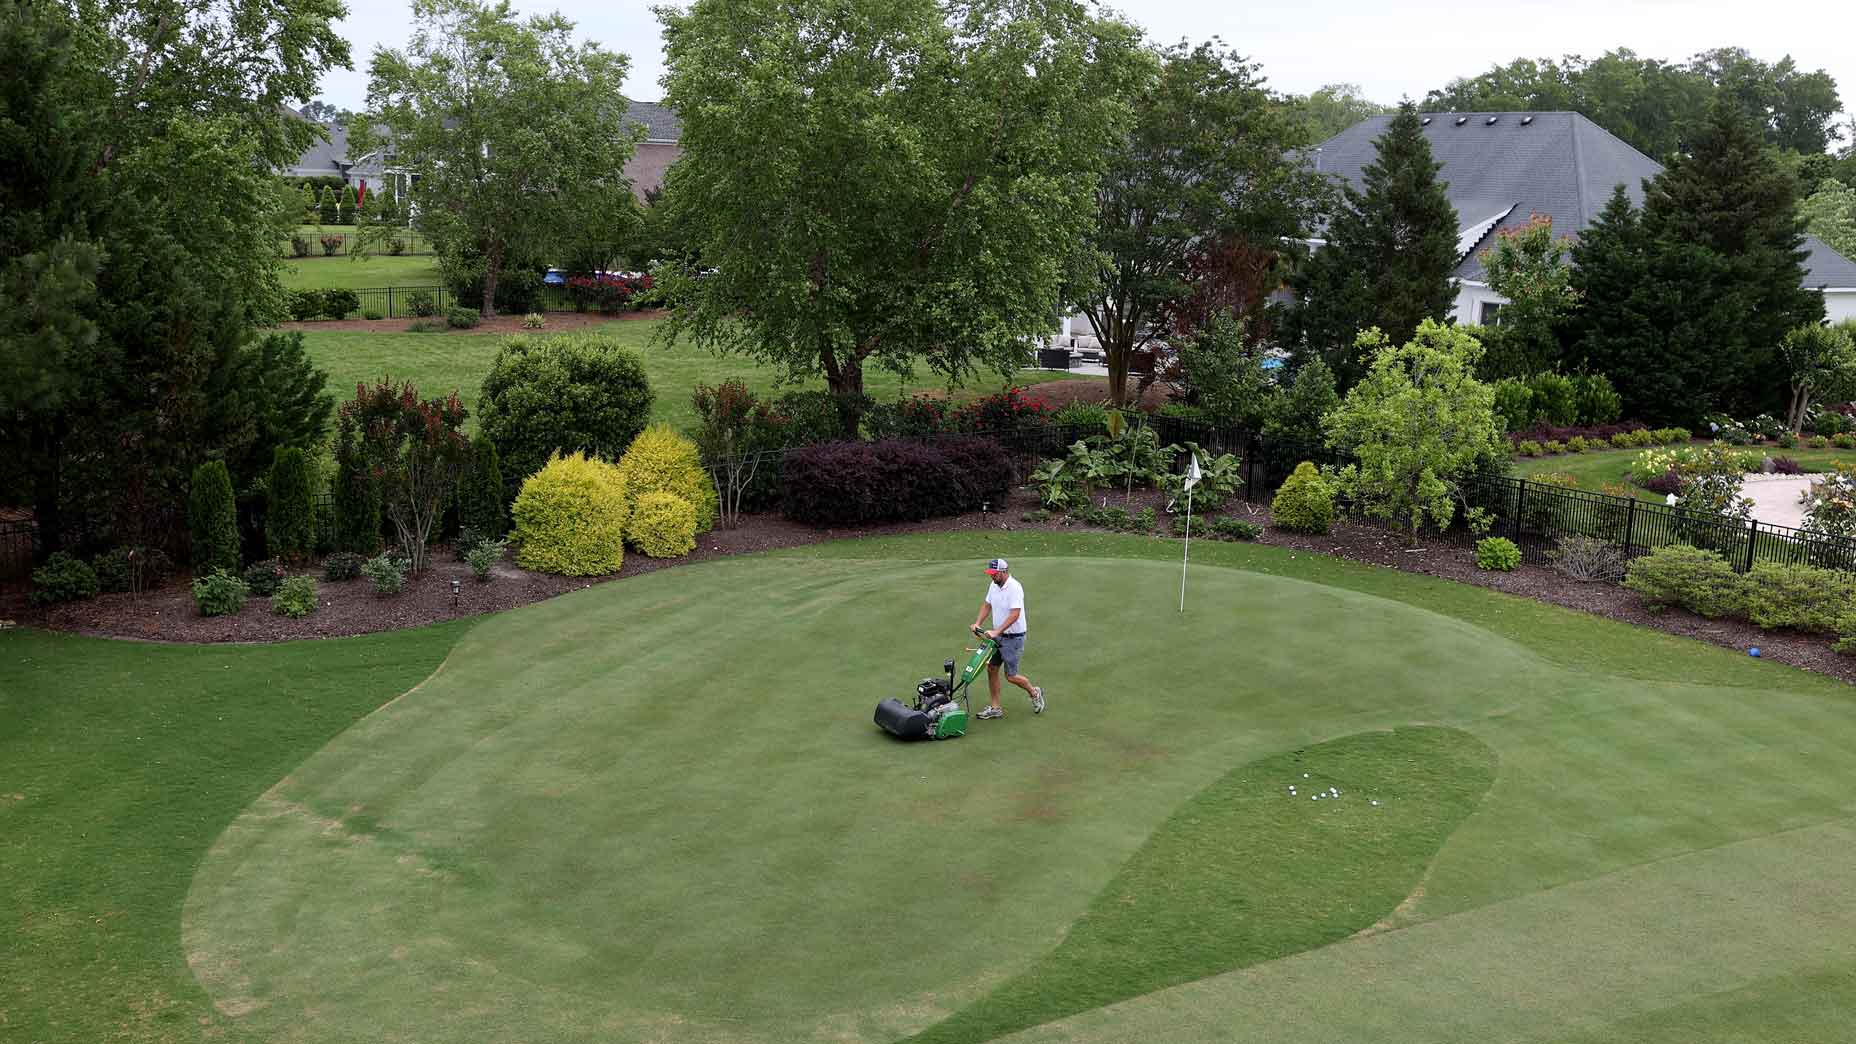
993	634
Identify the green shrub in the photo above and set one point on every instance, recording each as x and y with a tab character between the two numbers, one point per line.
662	525
373	314
534	321
1529	448
483	556
1514	404
265	577
1556	399
356	495
1787	440
1116	518
219	593
331	245
660	460
1090	416
289	513
396	246
1699	581
1578	444
1038	515
212	519
421	304
299	247
1236	529
342	565
386	572
1819	442
1843	440
1643	437
1198	524
336	304
1597	401
570	518
1146	520
296	598
1305	503
304	305
1553	447
480	491
1672	436
1623	440
463	318
63	578
132	569
1498	554
1800	597
567	393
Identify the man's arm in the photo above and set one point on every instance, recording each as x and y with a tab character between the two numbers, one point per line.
1010	619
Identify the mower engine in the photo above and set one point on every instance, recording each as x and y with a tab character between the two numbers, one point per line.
935	713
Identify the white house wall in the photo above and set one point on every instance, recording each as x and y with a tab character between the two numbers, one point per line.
1840	304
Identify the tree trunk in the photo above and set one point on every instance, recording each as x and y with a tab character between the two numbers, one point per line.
845	380
1118	345
493	270
1801	401
48	458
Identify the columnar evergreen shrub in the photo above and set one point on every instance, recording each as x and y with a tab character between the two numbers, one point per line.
570	518
1305	503
357	495
63	578
660	460
212	519
289	511
219	593
662	525
1679	575
480	491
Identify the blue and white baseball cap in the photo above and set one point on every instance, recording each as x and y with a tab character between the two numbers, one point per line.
997	566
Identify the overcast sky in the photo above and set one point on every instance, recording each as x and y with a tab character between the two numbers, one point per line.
1392	48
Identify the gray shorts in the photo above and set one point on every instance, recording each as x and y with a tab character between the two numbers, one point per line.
1011	648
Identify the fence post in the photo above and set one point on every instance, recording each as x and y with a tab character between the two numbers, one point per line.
1630	526
1520	504
1752	542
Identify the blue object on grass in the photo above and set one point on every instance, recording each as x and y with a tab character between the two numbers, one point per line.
1753	652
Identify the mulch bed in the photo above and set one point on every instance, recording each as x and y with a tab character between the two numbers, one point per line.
350	607
497	324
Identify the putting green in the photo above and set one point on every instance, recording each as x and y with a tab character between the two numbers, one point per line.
658	810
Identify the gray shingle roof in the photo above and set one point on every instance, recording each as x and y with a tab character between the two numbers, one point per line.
1558	163
659	123
1827	268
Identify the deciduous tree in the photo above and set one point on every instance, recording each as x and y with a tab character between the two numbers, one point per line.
887	183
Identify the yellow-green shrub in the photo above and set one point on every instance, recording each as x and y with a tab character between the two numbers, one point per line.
570	517
1305	503
661	461
663	525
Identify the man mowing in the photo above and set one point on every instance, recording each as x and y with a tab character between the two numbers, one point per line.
1006	599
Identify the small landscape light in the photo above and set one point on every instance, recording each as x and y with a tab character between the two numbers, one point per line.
454	592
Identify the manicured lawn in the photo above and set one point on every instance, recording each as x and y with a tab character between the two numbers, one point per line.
658	810
440	362
344	272
1594	470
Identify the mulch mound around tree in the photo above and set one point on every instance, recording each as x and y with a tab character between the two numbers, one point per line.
350	607
1055	395
496	324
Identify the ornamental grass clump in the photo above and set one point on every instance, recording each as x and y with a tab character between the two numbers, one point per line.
570	518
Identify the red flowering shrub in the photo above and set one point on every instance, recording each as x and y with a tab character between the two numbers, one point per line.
606	291
1006	411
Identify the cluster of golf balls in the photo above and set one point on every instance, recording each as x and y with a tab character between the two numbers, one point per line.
1330	793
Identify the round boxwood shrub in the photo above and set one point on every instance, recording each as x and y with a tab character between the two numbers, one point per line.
1498	554
343	565
63	578
463	318
212	519
132	568
265	577
570	518
561	394
219	593
663	525
1305	503
661	461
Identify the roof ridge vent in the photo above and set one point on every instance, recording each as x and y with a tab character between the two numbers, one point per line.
1491	121
1525	120
1425	122
1460	120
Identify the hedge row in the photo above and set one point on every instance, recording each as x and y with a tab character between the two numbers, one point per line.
894	480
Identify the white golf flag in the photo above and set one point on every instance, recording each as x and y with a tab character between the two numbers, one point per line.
1192	471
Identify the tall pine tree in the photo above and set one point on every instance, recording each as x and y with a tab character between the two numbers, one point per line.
1684	305
1391	248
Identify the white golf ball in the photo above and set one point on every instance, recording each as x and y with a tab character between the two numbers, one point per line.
1317	797
1375	804
1304	775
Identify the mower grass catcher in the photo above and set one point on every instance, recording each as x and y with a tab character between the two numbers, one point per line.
936	712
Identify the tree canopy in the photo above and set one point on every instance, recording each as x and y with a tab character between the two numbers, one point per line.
1527	265
516	132
887	182
1211	169
1333	108
1657	105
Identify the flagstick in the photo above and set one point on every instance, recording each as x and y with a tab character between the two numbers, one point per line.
1187	556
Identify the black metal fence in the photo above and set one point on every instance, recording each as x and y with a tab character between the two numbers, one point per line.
412	302
18	550
412	244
